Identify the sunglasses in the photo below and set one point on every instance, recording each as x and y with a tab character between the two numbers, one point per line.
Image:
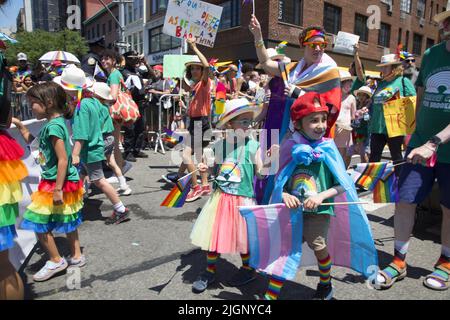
411	60
243	122
313	45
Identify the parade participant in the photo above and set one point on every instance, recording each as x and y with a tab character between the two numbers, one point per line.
315	64
312	173
343	133
357	69
409	66
56	206
220	229
102	92
198	111
393	83
416	180
361	122
92	58
88	139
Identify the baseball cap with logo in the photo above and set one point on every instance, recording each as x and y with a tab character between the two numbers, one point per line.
22	57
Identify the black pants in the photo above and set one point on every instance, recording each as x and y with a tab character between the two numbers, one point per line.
134	135
377	143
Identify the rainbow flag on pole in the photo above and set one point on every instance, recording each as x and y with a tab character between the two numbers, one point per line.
178	194
367	175
386	189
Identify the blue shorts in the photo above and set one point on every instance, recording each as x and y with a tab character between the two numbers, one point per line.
416	182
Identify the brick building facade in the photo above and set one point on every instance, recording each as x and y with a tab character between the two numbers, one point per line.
100	24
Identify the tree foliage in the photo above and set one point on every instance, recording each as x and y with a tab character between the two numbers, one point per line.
37	43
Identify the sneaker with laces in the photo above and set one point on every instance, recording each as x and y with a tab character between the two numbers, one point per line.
242	277
81	262
117	217
124	191
194	194
203	281
206	190
323	292
171	177
49	270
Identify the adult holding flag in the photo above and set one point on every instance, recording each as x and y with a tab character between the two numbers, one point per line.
416	180
316	71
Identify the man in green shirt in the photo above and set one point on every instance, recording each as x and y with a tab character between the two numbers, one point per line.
416	180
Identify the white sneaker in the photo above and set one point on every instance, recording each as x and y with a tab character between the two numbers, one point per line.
113	179
50	269
126	191
77	262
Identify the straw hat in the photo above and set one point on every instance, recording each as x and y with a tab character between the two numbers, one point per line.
102	90
196	61
236	107
275	55
441	16
345	75
73	79
363	89
389	59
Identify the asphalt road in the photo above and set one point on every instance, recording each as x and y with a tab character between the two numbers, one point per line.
150	257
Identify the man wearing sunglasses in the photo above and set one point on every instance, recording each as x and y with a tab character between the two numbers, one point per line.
409	66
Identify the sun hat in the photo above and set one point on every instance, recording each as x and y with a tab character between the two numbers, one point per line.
275	54
236	107
196	61
441	16
345	75
389	59
364	89
102	90
305	105
72	79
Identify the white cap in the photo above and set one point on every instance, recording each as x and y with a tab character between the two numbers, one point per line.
22	56
102	90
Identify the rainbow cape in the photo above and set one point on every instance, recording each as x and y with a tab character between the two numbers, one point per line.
178	194
275	232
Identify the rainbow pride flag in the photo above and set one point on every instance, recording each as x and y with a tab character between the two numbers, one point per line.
177	196
386	189
367	175
171	137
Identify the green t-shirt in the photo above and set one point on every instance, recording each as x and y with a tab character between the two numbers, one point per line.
105	119
87	127
236	167
47	156
384	92
307	181
357	84
434	112
114	78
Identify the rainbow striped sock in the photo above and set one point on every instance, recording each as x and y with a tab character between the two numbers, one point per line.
325	270
275	285
211	261
245	261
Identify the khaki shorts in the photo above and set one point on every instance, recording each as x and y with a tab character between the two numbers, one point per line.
315	230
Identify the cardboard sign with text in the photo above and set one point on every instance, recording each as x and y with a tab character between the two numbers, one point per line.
187	19
344	42
400	116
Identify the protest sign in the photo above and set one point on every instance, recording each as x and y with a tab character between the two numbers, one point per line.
344	42
400	116
187	19
174	65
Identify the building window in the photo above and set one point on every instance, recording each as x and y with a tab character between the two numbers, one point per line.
158	5
231	14
417	44
98	30
104	28
384	35
405	6
405	46
159	41
332	18
430	43
109	25
88	34
141	42
129	13
361	27
130	41
399	38
421	5
431	10
290	11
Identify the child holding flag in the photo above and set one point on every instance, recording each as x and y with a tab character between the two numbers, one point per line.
220	228
57	204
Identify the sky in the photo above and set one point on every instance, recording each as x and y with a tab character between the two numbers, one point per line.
9	12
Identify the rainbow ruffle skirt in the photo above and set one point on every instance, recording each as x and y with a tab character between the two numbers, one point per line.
12	171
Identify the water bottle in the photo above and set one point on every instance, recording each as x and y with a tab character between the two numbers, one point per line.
366	117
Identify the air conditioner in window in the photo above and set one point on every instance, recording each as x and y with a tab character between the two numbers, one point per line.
422	22
389	9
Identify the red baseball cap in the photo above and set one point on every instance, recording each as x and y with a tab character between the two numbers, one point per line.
158	68
304	105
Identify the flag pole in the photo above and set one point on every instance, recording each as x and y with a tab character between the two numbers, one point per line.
189	174
342	203
253	7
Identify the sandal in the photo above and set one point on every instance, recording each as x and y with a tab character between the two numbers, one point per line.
438	276
390	280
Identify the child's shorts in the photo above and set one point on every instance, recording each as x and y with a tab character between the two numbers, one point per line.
315	230
108	140
416	182
94	170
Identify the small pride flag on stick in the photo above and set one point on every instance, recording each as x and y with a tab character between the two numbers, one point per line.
177	196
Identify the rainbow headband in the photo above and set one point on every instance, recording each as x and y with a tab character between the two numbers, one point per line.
313	33
75	87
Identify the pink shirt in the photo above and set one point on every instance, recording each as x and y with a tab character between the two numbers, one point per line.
200	105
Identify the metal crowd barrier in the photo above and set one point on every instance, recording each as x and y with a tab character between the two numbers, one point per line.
20	106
